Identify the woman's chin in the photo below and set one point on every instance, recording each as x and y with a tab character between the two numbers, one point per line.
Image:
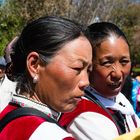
69	109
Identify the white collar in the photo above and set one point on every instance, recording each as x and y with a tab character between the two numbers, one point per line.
25	102
120	103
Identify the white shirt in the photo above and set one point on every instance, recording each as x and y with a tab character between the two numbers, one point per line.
7	88
95	126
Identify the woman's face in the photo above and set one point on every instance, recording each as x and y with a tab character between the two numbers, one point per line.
61	82
2	72
111	66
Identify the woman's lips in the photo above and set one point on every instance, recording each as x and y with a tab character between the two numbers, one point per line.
115	85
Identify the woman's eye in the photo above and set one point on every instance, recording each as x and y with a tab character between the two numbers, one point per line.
124	62
77	69
106	63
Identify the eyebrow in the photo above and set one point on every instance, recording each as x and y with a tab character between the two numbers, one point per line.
85	61
106	57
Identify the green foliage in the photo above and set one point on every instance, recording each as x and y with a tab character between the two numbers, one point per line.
128	19
136	69
10	24
16	13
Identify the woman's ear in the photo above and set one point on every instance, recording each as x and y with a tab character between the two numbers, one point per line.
32	63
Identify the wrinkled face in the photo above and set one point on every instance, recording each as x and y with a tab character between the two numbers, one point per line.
111	66
61	82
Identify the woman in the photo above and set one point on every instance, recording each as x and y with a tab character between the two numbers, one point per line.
105	113
7	91
51	61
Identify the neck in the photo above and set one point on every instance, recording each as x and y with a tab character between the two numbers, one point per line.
35	97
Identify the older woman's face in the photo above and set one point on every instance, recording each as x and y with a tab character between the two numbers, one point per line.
61	83
111	66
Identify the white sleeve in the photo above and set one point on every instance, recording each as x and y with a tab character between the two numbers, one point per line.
93	126
49	131
137	120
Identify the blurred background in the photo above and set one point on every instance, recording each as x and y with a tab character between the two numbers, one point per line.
14	14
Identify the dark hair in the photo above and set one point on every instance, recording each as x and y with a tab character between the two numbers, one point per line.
46	36
100	31
8	50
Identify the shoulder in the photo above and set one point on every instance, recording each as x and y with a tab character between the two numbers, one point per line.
34	128
87	121
121	98
31	127
52	129
84	106
15	128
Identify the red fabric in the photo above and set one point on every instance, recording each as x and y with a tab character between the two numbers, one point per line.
68	138
6	110
83	106
20	128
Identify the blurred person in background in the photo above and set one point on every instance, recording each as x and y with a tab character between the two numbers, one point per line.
7	55
2	69
7	87
135	94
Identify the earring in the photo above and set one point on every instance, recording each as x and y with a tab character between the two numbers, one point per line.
35	79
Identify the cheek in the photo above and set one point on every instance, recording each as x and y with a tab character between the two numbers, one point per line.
64	78
128	68
67	80
98	75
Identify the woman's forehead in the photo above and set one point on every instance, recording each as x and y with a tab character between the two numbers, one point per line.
114	47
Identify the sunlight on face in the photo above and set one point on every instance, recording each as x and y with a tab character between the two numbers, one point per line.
63	80
112	66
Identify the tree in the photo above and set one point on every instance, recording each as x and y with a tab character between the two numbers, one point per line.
16	13
127	17
10	24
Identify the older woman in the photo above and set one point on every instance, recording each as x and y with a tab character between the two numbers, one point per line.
105	113
51	61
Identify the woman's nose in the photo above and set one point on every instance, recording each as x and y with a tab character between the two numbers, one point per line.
84	82
116	72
